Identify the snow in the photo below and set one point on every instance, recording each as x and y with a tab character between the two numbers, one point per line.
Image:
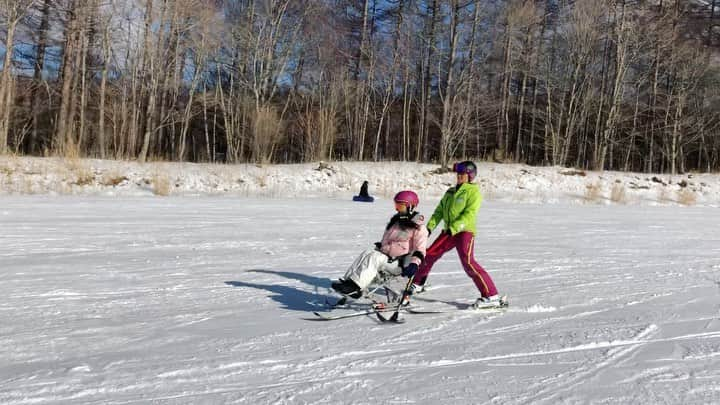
499	182
113	295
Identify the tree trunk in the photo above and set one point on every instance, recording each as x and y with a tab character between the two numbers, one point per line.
654	104
205	123
407	105
37	76
148	74
390	88
449	116
503	122
633	131
6	85
102	141
362	86
521	109
83	88
66	97
426	66
621	66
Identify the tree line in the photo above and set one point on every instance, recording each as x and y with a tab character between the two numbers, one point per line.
596	84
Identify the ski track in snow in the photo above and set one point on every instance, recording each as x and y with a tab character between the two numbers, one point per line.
199	300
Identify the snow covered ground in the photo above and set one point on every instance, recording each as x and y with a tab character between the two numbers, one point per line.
180	300
113	295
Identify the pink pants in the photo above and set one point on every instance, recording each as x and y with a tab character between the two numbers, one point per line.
464	243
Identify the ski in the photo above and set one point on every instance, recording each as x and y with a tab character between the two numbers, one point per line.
470	309
504	304
422	311
397	319
378	308
461	306
320	316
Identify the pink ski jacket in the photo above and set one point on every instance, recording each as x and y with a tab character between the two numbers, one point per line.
397	242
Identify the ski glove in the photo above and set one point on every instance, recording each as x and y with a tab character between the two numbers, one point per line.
410	270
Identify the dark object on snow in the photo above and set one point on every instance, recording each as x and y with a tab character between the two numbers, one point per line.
574	173
347	287
363	199
324	166
364	196
364	189
656	180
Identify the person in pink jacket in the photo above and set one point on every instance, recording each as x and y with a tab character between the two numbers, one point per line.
400	251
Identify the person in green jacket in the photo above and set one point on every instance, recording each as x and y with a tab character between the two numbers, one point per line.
458	211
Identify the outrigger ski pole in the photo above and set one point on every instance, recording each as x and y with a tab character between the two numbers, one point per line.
396	314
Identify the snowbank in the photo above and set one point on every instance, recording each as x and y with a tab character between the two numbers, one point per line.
499	182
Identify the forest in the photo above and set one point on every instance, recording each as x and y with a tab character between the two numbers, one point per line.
628	85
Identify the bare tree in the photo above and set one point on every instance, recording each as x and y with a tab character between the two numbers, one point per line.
39	65
63	141
532	18
431	18
691	66
11	11
583	42
625	36
274	31
453	125
106	55
598	84
390	75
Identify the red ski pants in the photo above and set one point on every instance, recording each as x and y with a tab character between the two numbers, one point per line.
464	243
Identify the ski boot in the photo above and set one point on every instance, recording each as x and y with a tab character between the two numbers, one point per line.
495	301
347	288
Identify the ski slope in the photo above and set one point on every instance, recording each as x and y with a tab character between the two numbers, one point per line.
137	300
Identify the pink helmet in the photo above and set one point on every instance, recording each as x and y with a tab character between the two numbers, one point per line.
407	197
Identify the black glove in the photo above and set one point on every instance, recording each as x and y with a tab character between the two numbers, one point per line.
410	270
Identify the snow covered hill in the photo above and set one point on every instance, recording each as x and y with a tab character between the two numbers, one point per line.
499	182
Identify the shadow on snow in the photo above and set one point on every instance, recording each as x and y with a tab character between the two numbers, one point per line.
317	282
292	298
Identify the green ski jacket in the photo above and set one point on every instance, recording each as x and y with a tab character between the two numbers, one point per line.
458	209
